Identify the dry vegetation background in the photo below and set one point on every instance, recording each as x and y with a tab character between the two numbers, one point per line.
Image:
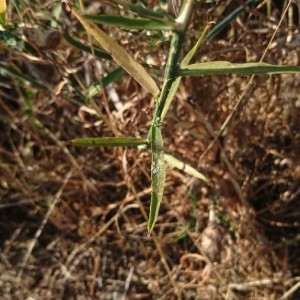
72	220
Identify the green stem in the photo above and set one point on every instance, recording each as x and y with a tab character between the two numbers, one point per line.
175	49
170	73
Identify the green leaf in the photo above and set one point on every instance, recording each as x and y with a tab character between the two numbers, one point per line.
173	162
129	23
228	19
158	175
76	43
146	13
96	87
186	60
110	142
225	67
13	71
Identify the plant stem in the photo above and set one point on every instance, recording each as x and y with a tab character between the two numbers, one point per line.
175	49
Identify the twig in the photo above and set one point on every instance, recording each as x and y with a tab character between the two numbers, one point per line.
42	226
246	286
291	290
127	283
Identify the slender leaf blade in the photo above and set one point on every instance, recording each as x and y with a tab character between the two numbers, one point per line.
225	67
142	11
228	19
110	142
158	175
171	96
128	23
119	54
173	162
186	60
96	87
78	44
16	73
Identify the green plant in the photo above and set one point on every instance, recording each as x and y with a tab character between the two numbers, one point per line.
164	96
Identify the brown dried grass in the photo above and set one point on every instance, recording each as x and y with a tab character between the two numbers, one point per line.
73	220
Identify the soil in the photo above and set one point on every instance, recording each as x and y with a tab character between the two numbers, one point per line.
73	220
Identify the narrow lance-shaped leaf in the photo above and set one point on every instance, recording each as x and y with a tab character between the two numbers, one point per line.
173	162
110	142
142	11
97	86
225	67
78	44
129	23
158	175
17	73
186	60
119	54
229	18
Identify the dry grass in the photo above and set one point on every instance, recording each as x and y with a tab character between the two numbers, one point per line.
73	221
